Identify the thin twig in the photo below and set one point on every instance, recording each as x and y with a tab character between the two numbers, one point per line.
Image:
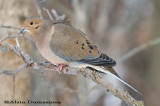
13	73
58	17
49	14
17	42
14	77
7	37
9	27
138	49
36	5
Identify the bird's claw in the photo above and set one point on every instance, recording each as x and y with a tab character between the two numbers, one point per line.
60	68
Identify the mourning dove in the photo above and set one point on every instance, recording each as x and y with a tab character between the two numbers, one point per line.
64	45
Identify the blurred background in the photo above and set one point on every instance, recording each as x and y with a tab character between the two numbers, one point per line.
126	30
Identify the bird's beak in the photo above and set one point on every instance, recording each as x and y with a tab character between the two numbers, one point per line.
22	30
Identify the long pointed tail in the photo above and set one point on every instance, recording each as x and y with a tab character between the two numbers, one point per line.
110	71
113	73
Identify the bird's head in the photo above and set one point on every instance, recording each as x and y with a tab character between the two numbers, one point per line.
33	25
36	26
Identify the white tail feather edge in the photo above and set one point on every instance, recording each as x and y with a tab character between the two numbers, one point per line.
102	69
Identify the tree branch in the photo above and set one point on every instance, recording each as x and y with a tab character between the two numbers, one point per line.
38	9
139	48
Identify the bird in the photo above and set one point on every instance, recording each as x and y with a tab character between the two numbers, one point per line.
64	45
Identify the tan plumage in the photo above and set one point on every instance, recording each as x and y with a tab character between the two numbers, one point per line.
71	40
63	44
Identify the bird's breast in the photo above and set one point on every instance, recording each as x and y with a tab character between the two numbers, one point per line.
48	54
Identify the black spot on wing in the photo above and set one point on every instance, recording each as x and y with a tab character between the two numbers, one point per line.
103	60
87	42
91	47
77	41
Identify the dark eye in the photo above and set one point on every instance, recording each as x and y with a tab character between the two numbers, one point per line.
31	23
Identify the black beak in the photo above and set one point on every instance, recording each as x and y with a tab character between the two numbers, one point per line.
22	30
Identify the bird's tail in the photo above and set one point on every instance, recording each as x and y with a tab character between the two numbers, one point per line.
110	71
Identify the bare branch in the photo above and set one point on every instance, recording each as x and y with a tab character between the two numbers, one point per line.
58	17
17	42
36	5
13	73
14	78
138	49
49	14
7	37
9	27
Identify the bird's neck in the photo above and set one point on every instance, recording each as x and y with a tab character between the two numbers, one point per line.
44	38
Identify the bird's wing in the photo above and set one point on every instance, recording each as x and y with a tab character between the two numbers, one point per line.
72	45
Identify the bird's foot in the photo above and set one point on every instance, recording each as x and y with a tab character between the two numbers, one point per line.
60	68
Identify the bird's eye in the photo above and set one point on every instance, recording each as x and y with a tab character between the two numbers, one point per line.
31	23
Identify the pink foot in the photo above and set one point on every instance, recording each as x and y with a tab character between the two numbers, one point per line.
60	68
